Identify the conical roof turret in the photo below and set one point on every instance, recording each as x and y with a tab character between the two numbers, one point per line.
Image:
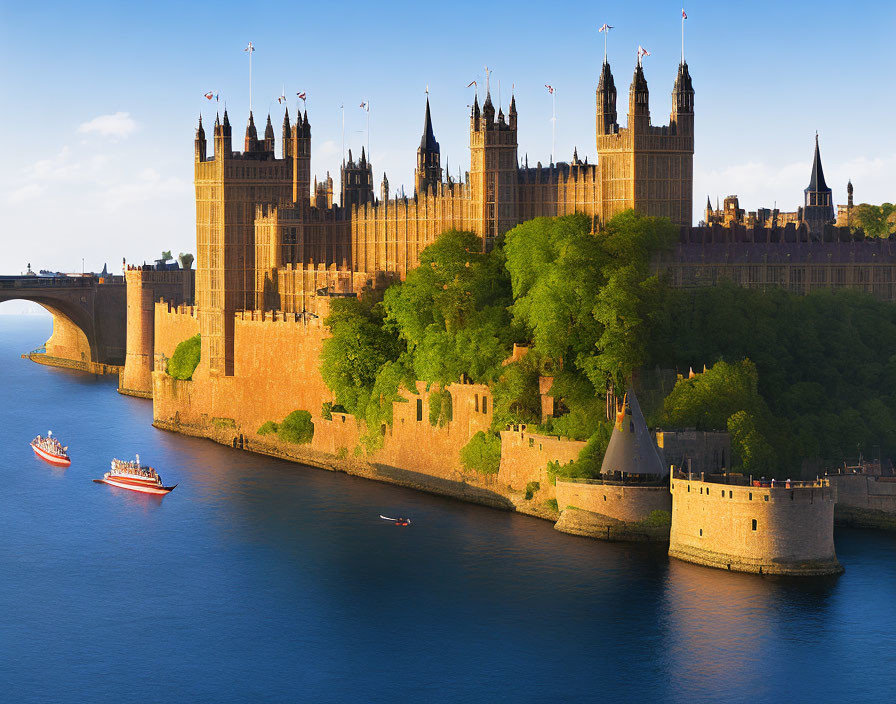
269	129
632	452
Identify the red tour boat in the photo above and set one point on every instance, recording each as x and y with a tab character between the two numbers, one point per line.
51	450
136	477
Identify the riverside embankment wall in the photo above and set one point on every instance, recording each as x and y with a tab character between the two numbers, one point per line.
277	371
865	501
782	530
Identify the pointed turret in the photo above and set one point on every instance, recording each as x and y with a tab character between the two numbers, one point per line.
251	143
632	454
818	208
200	144
285	136
223	146
488	110
269	136
606	102
384	188
682	116
306	126
639	101
512	114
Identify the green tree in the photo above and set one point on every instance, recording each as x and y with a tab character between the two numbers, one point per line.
874	220
358	348
482	453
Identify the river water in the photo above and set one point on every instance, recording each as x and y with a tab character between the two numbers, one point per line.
259	580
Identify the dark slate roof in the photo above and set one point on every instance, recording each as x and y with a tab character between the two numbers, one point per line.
816	182
428	141
632	449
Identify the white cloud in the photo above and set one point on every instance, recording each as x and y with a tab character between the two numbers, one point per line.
25	193
118	125
762	185
146	186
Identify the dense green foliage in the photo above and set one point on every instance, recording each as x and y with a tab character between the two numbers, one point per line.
441	411
482	454
269	427
874	220
296	428
451	311
726	397
185	359
820	380
531	489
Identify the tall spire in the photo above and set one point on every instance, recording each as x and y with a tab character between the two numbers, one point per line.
428	141
816	181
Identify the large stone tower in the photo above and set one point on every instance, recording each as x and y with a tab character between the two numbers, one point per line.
429	169
229	185
641	166
494	169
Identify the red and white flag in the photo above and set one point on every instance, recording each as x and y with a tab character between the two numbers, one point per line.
684	15
472	83
365	106
550	88
210	95
605	27
301	95
249	48
281	99
642	51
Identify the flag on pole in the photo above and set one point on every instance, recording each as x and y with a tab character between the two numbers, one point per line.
210	95
472	83
550	88
301	95
605	27
642	51
684	15
365	106
281	99
249	48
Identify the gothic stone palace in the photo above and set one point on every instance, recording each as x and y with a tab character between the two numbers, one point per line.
270	239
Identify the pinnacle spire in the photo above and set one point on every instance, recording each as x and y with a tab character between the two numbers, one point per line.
428	142
816	181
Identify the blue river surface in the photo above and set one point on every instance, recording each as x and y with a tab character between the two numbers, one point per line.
258	580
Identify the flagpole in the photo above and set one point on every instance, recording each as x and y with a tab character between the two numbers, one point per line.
553	124
606	33
250	79
343	133
368	131
682	36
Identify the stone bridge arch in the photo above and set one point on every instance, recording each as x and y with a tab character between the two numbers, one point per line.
88	319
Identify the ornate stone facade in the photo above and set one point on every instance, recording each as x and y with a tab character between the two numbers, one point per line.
260	227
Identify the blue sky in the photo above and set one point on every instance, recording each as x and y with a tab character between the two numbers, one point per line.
101	98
